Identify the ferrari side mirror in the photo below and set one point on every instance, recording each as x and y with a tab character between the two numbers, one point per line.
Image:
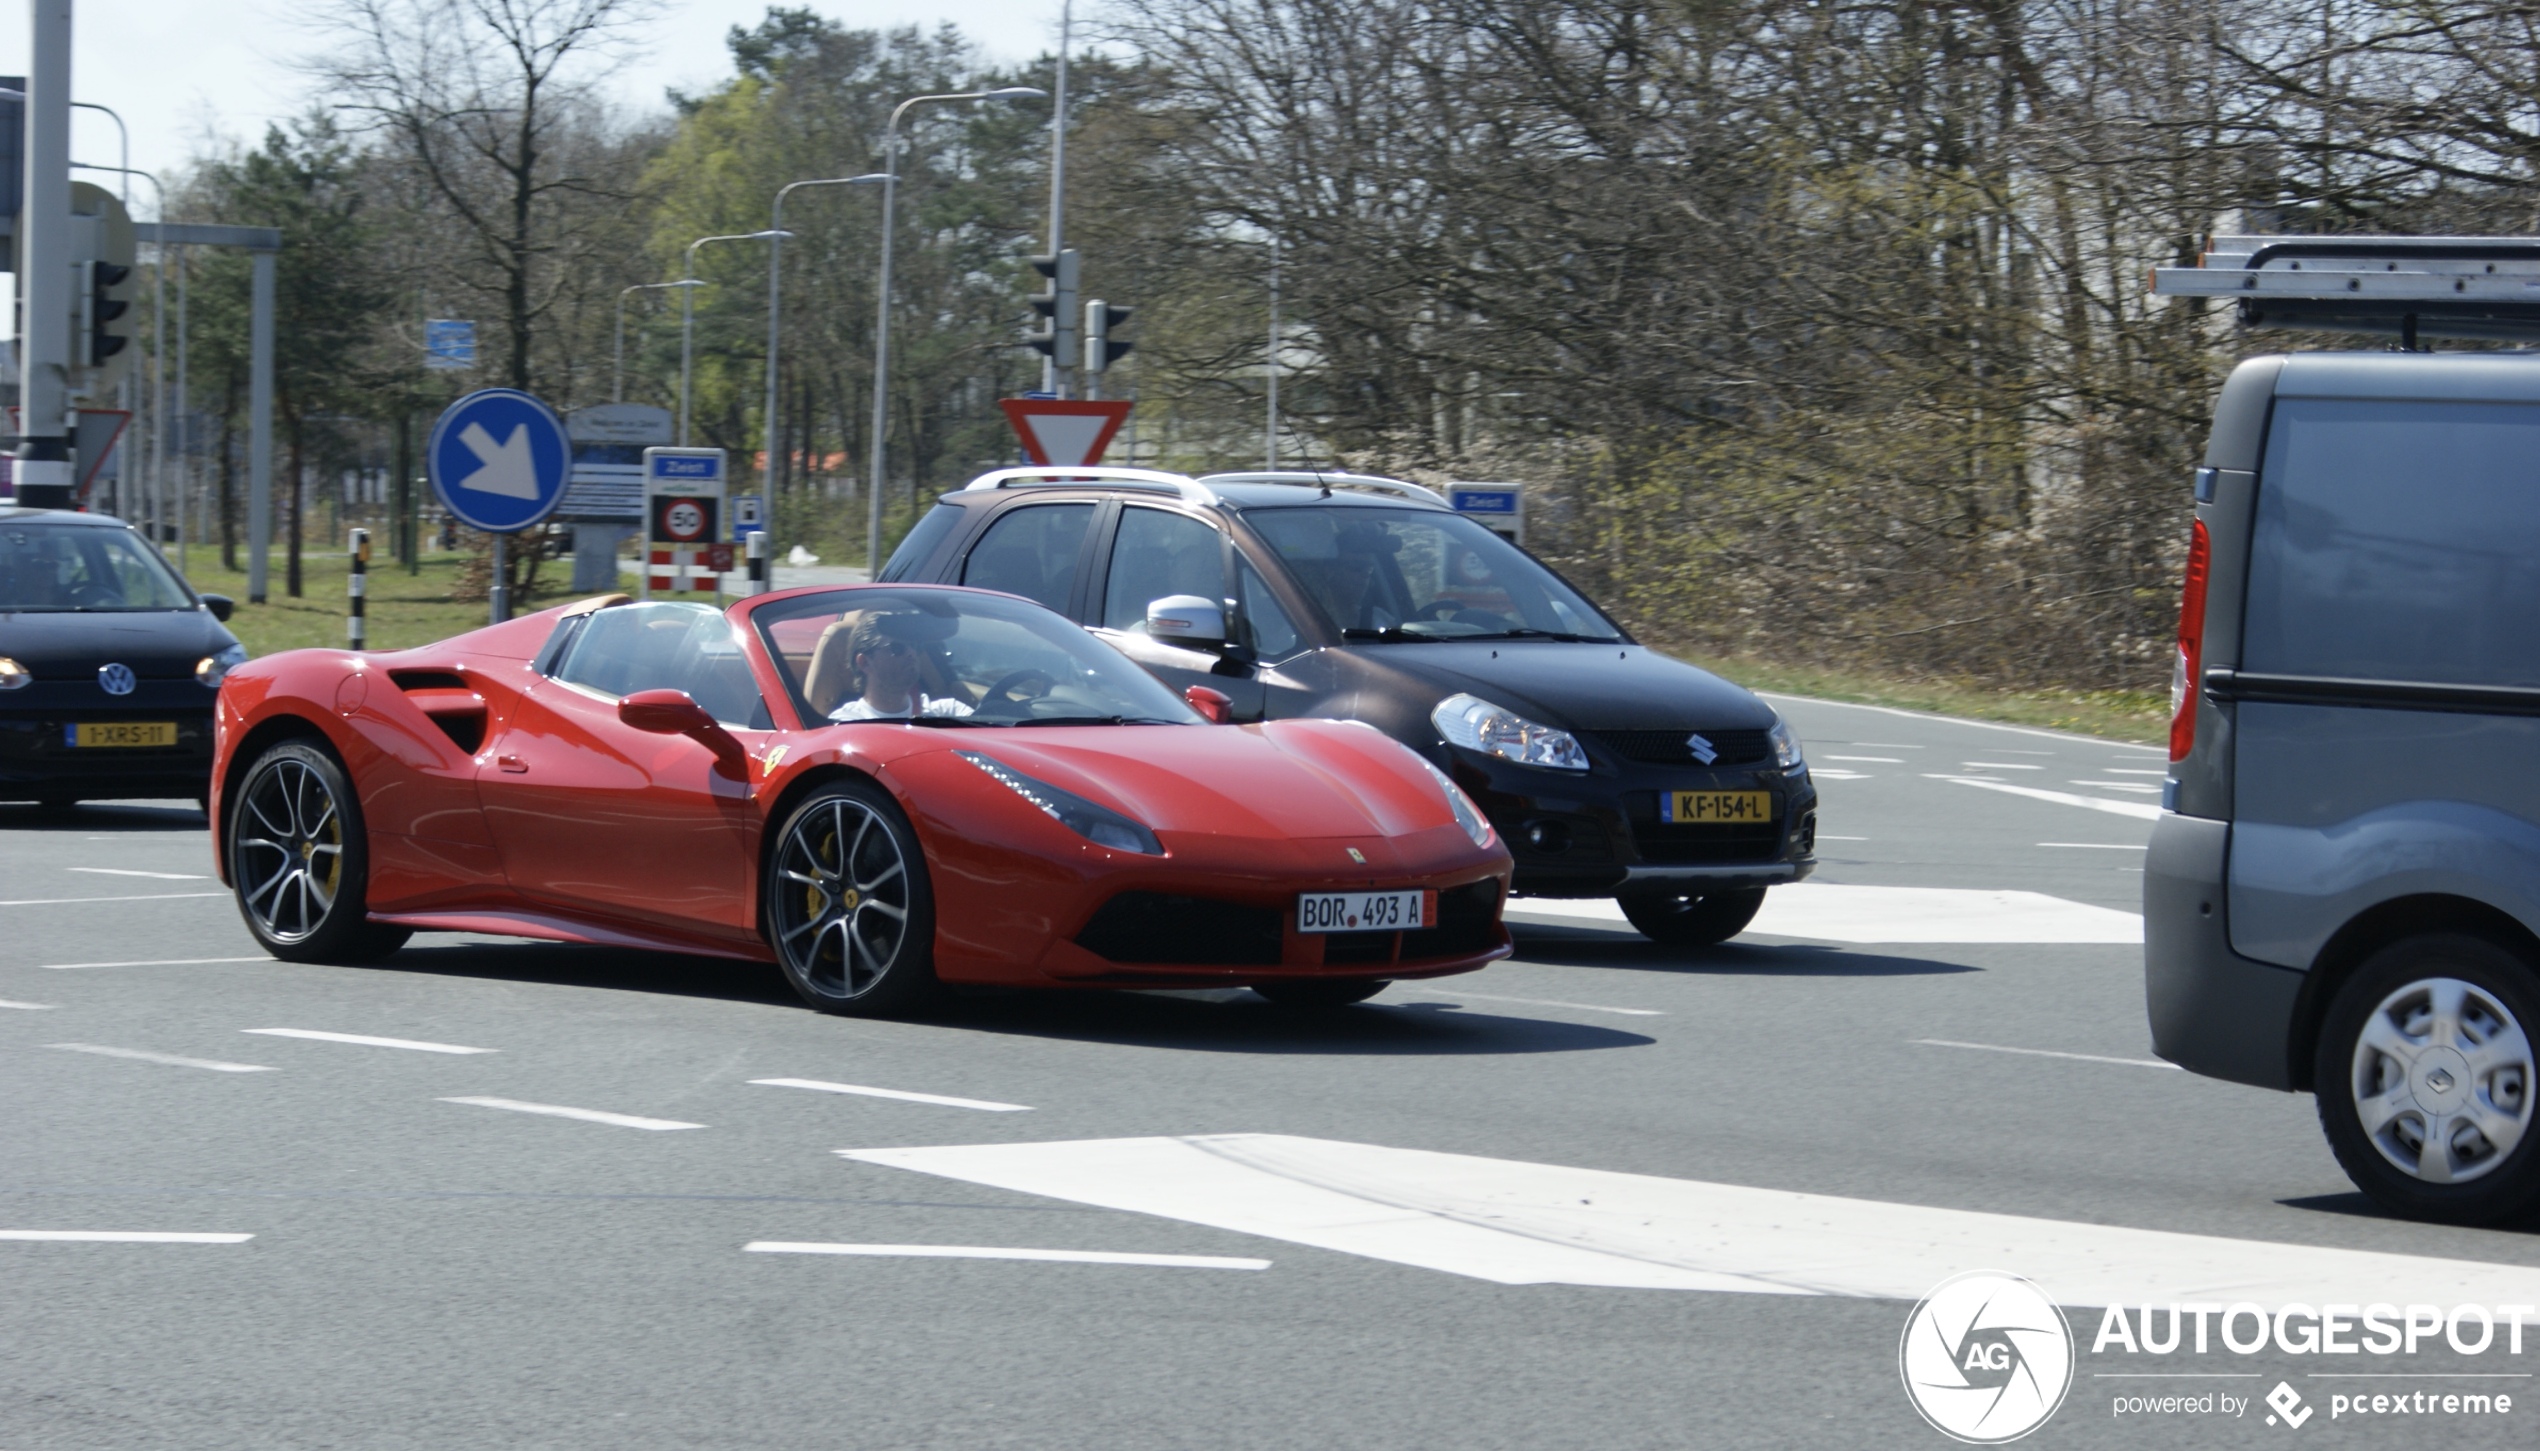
1188	621
1214	704
676	713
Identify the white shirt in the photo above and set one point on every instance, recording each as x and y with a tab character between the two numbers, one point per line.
862	709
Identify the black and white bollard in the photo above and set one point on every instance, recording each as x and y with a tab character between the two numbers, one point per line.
756	543
357	591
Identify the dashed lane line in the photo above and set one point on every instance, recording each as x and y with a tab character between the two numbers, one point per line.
2143	810
992	1252
127	872
29	1007
2048	1053
176	1060
118	1236
152	962
365	1040
861	1090
586	1115
1554	1003
2088	845
75	901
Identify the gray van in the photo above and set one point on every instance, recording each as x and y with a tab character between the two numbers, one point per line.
2343	892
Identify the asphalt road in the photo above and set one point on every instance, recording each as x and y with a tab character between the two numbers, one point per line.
1949	1074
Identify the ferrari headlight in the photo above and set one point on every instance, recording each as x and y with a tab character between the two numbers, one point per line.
1786	747
1495	730
1098	824
211	670
13	676
1467	815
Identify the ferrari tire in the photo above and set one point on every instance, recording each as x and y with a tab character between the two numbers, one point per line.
848	904
299	860
2425	1079
1684	920
1320	992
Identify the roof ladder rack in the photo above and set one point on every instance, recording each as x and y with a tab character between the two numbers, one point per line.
2483	288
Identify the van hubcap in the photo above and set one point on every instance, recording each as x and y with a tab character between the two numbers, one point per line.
2443	1080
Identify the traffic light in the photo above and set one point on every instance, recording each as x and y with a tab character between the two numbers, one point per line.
104	299
1057	341
1100	318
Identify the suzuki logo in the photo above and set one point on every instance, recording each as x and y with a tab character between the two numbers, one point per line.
1702	749
115	679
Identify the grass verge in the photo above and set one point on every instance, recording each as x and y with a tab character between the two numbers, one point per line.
2141	716
405	610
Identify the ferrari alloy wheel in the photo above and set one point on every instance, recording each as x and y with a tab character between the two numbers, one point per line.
2425	1079
299	861
848	906
1321	992
1684	920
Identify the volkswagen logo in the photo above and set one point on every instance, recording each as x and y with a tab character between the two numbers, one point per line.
115	679
1702	749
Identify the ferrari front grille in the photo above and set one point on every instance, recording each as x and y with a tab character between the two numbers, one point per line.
1161	927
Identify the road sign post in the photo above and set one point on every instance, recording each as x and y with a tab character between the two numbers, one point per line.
1065	431
499	459
684	537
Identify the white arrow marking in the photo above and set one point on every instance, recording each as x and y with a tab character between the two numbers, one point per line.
507	469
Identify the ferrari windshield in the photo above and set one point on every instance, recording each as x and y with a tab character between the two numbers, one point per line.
1423	574
956	658
84	567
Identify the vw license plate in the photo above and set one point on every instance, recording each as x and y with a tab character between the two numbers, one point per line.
1365	911
1687	808
121	733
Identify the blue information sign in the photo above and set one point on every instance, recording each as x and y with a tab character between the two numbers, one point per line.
499	459
449	343
1483	500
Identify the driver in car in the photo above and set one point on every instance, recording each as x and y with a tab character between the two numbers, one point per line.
883	651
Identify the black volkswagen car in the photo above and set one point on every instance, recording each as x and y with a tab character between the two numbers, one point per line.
1610	770
109	664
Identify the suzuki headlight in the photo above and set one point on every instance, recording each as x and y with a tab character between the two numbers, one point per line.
13	676
211	670
1096	823
1467	815
1495	730
1786	747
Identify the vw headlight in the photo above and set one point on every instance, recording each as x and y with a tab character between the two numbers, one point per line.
1467	815
211	670
1495	730
1098	824
13	676
1786	747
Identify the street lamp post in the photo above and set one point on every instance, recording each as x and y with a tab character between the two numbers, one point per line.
882	304
775	275
617	371
688	315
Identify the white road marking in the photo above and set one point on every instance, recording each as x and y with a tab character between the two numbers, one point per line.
2094	845
1837	773
1982	725
1821	836
1516	1223
365	1040
2136	787
119	1236
75	901
1886	746
988	1252
30	1007
2063	798
986	1105
1827	912
2000	766
213	1064
2134	771
2047	1053
1873	760
153	962
162	876
1553	1003
587	1115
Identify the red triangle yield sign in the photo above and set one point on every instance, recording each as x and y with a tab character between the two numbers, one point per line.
1065	431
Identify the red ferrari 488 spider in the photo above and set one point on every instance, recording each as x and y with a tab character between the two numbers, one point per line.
882	788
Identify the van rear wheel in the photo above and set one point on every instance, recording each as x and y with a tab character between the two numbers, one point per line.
2425	1079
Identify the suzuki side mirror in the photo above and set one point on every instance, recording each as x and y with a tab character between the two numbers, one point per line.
1188	621
219	605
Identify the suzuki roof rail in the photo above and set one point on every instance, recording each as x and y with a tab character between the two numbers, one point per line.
1329	481
2485	288
1060	475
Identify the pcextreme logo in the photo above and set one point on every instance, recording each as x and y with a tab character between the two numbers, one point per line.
1986	1357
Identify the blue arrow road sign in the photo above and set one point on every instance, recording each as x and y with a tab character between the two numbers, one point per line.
499	459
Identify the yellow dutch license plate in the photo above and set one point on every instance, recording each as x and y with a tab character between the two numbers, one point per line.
1715	808
123	733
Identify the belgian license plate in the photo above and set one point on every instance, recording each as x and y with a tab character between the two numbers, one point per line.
1365	911
1715	808
121	733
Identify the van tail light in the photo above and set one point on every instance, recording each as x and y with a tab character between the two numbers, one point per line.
2191	646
